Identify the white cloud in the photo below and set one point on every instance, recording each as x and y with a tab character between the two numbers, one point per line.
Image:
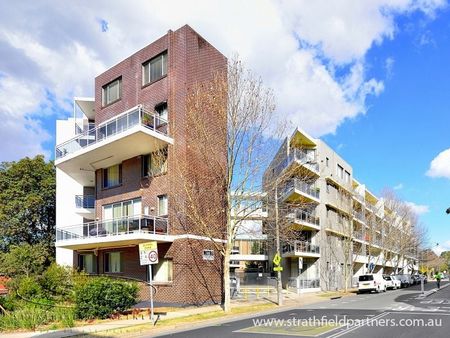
299	48
438	248
398	186
418	209
440	165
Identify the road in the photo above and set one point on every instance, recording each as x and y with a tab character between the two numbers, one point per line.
397	313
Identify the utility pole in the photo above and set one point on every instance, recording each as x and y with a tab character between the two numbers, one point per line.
277	235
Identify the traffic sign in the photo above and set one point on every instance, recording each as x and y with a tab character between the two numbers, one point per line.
148	253
277	259
278	268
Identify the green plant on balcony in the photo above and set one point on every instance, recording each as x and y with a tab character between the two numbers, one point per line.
147	120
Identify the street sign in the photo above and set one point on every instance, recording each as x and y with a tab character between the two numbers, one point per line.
277	259
278	268
148	253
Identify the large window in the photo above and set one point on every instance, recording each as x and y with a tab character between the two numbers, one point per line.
86	262
113	262
162	205
163	271
154	69
340	172
112	176
155	163
112	92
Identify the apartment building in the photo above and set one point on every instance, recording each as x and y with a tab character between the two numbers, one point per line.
118	163
331	219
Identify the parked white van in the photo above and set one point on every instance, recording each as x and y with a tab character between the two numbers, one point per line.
371	282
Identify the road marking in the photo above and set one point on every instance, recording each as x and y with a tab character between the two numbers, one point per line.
353	328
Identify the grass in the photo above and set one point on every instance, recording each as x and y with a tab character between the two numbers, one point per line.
181	321
328	294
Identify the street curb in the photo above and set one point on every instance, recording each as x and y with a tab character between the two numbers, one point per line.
432	291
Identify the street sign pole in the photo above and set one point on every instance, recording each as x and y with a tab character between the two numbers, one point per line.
151	292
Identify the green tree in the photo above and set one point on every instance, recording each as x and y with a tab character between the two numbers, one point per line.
27	203
24	260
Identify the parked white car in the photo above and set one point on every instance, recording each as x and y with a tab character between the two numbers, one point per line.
392	282
372	282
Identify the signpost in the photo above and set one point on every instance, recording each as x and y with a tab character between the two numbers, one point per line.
276	261
148	255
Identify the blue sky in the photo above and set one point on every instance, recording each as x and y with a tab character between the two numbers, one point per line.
370	78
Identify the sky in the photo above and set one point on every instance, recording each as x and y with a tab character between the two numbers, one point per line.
368	77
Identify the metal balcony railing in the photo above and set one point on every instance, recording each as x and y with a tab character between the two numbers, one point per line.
306	157
121	123
85	201
303	216
301	246
297	184
301	283
115	227
359	215
359	235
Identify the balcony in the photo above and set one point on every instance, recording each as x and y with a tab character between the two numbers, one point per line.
296	189
114	232
305	219
359	216
132	133
84	205
359	235
301	284
303	157
301	249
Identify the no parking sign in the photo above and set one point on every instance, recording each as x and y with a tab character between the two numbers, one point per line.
148	253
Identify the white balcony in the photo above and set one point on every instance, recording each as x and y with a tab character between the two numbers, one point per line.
122	231
304	219
132	133
296	189
301	249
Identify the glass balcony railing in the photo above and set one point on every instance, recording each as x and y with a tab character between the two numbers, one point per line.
301	246
85	201
306	157
303	216
306	188
114	227
120	124
359	215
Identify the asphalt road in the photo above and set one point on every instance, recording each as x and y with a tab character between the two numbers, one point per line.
397	313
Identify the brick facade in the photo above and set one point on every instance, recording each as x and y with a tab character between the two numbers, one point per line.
191	60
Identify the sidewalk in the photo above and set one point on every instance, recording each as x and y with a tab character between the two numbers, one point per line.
290	300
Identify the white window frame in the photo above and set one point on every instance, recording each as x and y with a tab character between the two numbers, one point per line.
164	198
146	68
106	100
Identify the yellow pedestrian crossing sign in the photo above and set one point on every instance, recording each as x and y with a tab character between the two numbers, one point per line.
277	259
278	268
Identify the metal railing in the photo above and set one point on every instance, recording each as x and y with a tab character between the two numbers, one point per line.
301	246
306	157
358	197
302	283
85	201
303	216
297	184
359	215
114	227
133	117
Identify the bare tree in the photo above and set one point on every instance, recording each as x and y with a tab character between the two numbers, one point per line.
236	110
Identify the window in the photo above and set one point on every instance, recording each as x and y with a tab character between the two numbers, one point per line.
163	271
347	177
154	69
122	209
112	176
112	92
162	205
161	111
208	255
327	161
340	172
112	262
155	163
86	262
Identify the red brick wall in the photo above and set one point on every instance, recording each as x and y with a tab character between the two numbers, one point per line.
190	60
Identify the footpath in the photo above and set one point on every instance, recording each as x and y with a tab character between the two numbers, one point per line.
179	318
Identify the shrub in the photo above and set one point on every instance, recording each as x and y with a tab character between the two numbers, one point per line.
56	281
29	288
100	297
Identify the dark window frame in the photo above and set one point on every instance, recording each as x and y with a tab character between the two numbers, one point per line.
104	92
164	55
105	177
